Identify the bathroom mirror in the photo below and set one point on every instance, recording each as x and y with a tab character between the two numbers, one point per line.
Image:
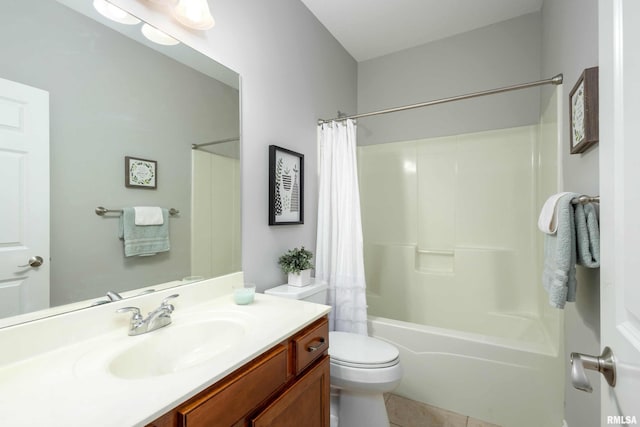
113	94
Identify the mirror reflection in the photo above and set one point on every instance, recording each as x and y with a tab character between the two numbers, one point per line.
76	99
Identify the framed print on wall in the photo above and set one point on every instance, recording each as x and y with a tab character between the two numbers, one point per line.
286	186
140	173
583	111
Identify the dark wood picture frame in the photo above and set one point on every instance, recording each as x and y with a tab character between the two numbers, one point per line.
583	112
286	186
140	173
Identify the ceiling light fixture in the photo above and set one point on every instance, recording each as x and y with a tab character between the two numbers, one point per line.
190	13
194	14
164	2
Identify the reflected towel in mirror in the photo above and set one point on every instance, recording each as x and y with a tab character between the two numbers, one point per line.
148	215
143	240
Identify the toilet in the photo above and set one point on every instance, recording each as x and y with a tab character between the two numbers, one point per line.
362	367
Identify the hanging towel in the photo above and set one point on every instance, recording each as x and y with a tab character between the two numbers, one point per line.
559	273
577	240
587	235
143	240
548	219
148	215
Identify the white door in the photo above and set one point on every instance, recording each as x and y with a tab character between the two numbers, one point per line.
24	198
620	205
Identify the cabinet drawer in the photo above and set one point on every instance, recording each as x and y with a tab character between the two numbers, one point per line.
227	403
310	344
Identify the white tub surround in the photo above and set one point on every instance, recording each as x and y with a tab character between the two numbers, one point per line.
454	260
57	371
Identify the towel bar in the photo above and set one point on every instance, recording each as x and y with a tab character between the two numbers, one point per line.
102	211
583	200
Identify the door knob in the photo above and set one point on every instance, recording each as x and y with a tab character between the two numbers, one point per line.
34	261
605	364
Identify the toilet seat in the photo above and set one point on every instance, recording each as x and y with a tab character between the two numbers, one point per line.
360	351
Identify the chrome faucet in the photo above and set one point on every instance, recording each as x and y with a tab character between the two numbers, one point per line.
158	318
111	297
114	296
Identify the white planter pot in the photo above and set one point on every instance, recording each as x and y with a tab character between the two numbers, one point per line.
300	279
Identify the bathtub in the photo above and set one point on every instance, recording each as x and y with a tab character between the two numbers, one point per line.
513	378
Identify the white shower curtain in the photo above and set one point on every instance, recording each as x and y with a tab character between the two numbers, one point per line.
339	253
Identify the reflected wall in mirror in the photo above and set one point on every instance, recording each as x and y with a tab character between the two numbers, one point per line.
109	96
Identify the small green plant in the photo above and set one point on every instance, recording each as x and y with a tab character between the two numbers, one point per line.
296	260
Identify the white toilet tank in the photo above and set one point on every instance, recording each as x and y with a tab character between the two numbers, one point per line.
315	292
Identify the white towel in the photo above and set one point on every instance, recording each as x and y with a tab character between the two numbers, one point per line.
548	219
148	215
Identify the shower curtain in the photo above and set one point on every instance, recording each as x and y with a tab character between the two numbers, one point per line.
339	249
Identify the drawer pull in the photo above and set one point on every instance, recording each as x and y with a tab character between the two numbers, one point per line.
313	348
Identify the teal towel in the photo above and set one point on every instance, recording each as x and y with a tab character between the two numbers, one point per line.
576	241
143	240
559	274
588	235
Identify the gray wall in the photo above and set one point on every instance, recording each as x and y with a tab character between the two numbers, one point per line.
494	56
293	72
570	44
105	90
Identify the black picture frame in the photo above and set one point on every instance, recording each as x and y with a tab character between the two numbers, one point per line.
286	186
140	173
583	112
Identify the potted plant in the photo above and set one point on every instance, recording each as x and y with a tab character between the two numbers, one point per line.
297	264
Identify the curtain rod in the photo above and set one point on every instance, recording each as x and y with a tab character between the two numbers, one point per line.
196	146
555	80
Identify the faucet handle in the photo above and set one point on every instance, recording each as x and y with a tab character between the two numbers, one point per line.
170	297
165	302
135	310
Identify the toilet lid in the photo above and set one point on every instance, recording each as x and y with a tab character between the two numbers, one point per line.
350	349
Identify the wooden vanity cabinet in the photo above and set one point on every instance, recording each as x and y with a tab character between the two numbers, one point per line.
287	385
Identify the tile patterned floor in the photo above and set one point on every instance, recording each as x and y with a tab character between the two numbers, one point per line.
409	413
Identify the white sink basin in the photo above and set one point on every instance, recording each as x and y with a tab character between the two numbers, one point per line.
181	347
186	343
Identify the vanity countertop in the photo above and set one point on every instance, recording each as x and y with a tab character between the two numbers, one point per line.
72	385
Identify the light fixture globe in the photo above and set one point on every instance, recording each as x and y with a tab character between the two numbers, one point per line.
194	14
157	36
114	13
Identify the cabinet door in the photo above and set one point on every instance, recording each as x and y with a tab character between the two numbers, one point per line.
305	403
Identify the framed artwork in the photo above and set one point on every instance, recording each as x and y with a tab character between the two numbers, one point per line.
583	111
140	173
286	186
